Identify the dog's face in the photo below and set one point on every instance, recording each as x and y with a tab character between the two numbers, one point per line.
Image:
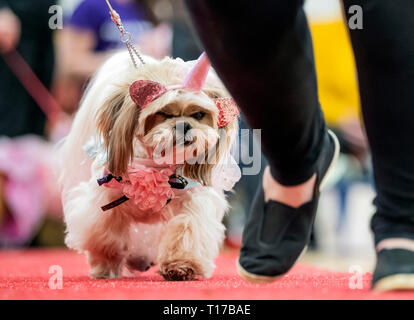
179	128
182	120
180	124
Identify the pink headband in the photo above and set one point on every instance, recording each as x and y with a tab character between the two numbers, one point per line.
143	92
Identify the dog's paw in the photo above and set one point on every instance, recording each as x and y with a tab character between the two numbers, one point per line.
103	272
180	270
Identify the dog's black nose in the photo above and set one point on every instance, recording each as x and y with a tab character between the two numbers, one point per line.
187	127
183	126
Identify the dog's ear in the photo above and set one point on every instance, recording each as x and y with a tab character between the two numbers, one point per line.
202	170
117	121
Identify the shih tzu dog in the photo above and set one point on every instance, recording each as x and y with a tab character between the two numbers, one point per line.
145	167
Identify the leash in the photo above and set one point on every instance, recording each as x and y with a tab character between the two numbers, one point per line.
125	36
36	89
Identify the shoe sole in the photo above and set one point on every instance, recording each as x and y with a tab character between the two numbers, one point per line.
400	281
255	278
260	279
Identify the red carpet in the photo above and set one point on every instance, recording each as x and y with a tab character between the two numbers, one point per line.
24	275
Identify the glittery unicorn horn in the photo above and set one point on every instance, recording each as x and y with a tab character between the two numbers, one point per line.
144	92
198	74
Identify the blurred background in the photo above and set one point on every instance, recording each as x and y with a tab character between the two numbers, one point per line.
45	64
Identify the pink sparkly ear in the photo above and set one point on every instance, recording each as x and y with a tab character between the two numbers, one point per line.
198	74
228	111
143	92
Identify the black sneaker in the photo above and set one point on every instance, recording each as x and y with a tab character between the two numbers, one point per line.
394	270
275	234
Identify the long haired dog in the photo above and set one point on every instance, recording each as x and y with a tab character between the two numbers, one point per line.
140	183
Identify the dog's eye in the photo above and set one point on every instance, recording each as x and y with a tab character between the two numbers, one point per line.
199	115
165	115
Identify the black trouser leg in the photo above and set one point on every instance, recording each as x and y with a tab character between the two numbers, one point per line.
384	51
263	53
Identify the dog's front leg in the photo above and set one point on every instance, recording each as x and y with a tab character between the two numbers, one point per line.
107	245
103	236
192	238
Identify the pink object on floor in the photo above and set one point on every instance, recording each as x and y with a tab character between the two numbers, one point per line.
31	190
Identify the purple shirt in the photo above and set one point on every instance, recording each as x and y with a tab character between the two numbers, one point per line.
93	15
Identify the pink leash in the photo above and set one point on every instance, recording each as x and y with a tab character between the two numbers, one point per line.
33	85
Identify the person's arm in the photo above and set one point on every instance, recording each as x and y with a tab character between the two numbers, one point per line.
9	28
77	42
77	54
156	42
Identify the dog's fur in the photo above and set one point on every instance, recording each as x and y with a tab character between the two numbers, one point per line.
185	237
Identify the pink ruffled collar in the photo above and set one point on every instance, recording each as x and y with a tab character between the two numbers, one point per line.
149	185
